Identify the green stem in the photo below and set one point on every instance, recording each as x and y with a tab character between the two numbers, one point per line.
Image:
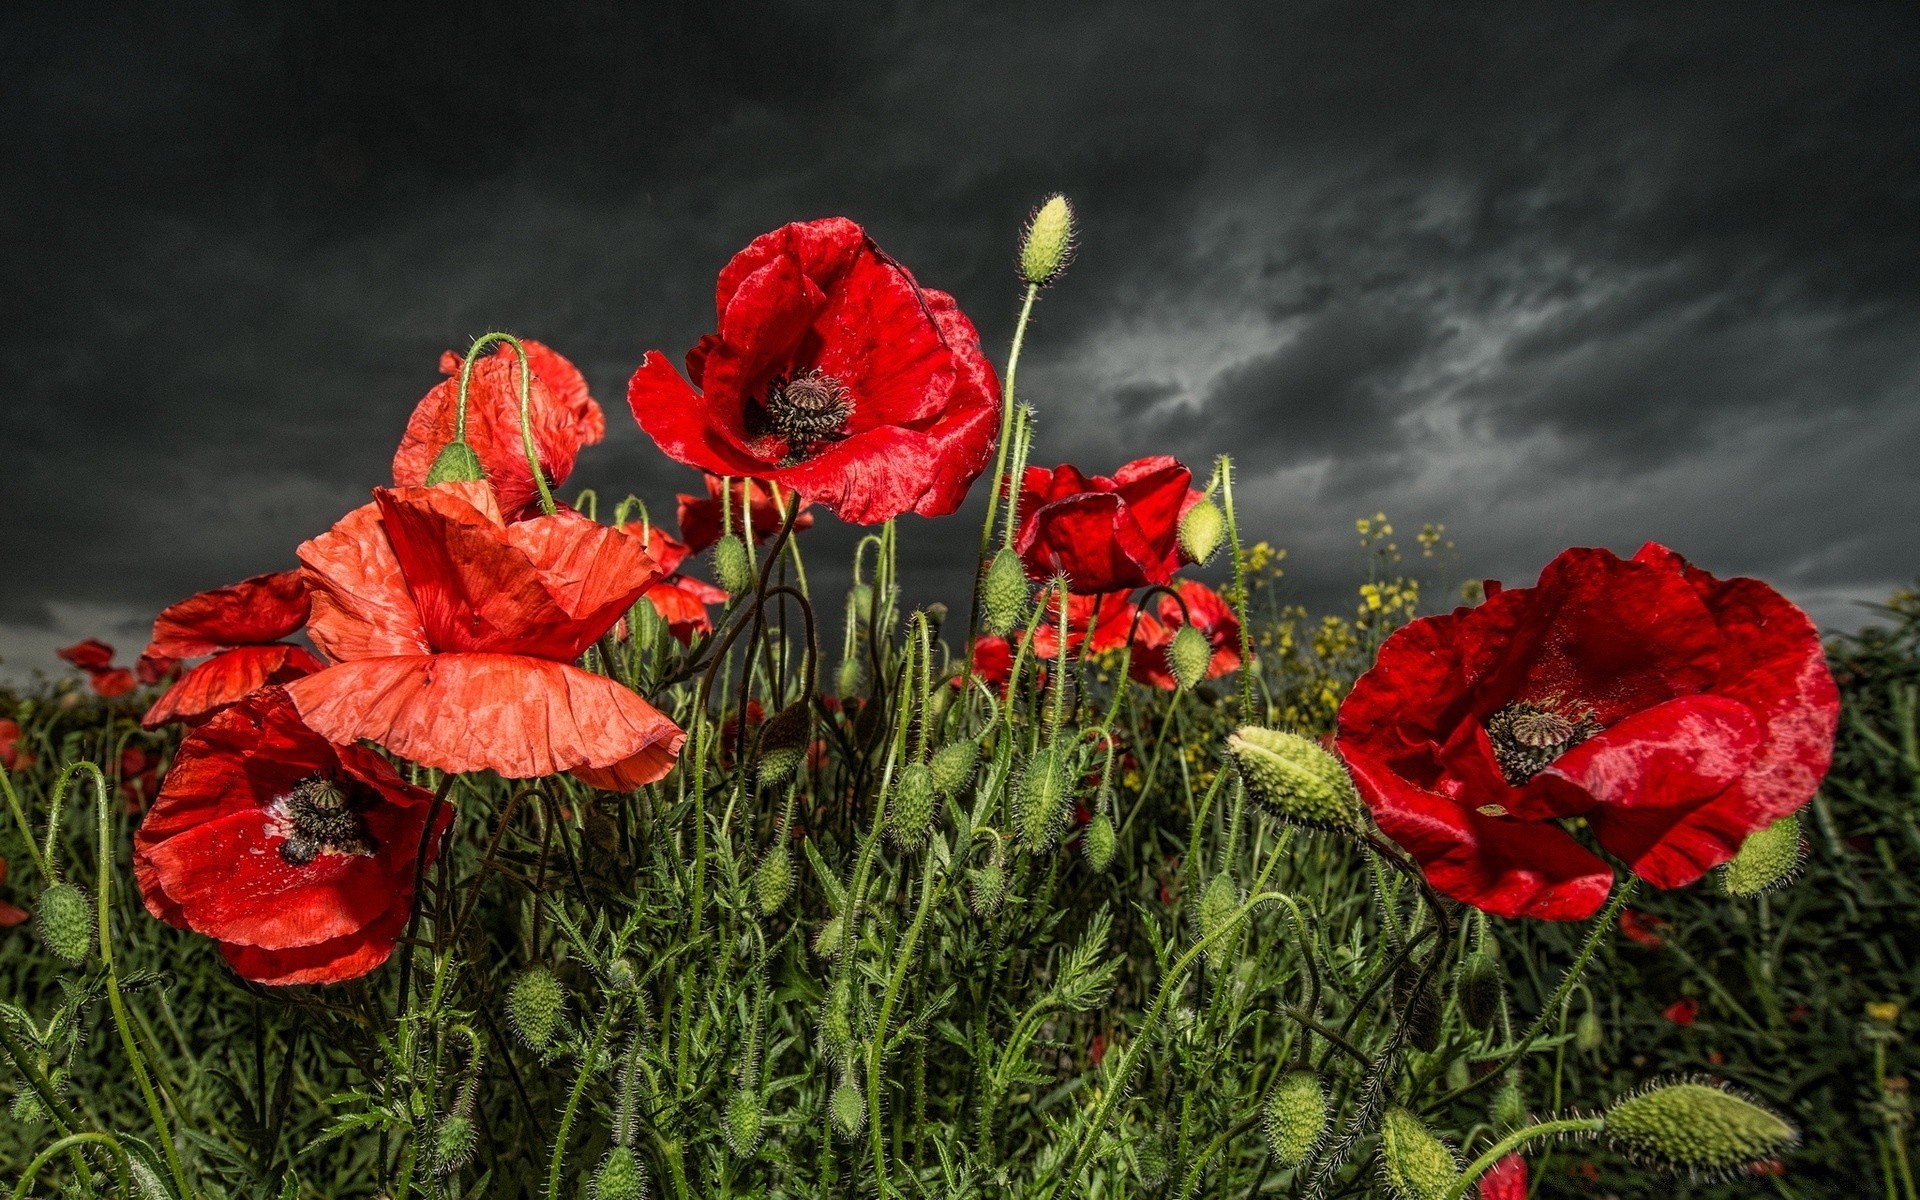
1240	597
71	1142
1000	456
567	1114
903	958
26	831
526	409
1513	1141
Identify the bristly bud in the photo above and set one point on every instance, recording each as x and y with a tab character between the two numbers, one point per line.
745	1122
953	766
773	881
535	1003
1189	655
847	682
457	462
783	745
1770	858
1424	1016
453	1143
1296	779
911	813
1202	530
1040	806
848	1107
986	888
1218	903
1419	1166
732	569
1587	1032
1003	594
1048	244
1509	1108
65	921
1100	841
836	1026
1150	1159
831	939
1480	988
1295	1117
1696	1128
620	1177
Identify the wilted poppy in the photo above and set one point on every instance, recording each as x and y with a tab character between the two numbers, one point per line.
833	374
454	635
1210	614
1675	712
1104	534
295	854
702	518
563	417
240	625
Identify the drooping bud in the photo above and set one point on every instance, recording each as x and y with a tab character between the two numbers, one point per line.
783	745
1587	1032
953	766
457	462
1189	655
1150	1159
1696	1127
1418	1165
1480	988
1003	594
620	1177
1100	842
1297	780
732	569
1218	903
1295	1117
1202	530
910	815
773	881
1424	1015
1770	858
535	1003
848	1107
1040	806
1509	1108
65	921
453	1143
986	887
745	1122
1048	244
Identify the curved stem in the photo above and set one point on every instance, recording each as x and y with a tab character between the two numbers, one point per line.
526	409
70	1142
1457	1190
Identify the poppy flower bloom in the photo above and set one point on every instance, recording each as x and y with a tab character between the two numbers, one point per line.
833	374
992	664
1104	533
681	600
241	625
295	854
139	777
563	417
1097	623
1643	928
701	519
12	757
1505	1180
1674	712
1683	1012
95	657
454	635
10	914
150	669
1211	615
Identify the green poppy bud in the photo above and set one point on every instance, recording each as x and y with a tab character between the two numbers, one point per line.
1202	530
1295	1117
1047	246
456	463
745	1121
831	939
620	1177
848	1107
732	569
1003	595
65	921
1150	1159
953	766
1100	842
1509	1109
535	1004
1587	1032
847	682
1697	1128
1480	988
1218	904
1770	858
1189	655
836	1026
1418	1165
773	881
1040	806
1297	780
783	745
453	1143
986	887
911	812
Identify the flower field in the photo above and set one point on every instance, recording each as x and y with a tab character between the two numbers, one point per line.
514	841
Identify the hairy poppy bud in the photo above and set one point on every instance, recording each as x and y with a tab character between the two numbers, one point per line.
1770	858
848	1107
831	939
1480	988
1295	1117
1189	655
1150	1159
847	682
986	887
1419	1166
1587	1032
1696	1127
910	815
535	1003
953	766
745	1121
1296	779
1509	1109
1040	806
731	568
65	921
1100	841
453	1142
1048	245
836	1026
1202	530
620	1177
783	744
1218	903
1003	595
773	881
1423	1015
457	462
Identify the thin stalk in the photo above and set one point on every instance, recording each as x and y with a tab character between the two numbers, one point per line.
573	1100
903	956
1457	1190
1000	456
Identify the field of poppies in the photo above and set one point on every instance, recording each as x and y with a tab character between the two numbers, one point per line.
519	843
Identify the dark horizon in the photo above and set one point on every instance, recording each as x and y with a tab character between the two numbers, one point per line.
1552	276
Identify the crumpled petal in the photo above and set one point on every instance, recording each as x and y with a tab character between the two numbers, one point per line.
227	678
265	608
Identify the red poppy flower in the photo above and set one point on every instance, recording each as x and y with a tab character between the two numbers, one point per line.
564	418
1211	615
95	657
1675	712
1505	1180
1099	623
1104	534
455	635
1683	1012
295	854
150	669
681	600
10	915
701	518
241	626
12	757
1643	928
833	374
139	777
992	664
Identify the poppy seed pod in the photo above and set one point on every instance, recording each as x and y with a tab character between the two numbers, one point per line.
1048	244
1189	655
457	462
535	1004
783	744
1202	530
1003	594
1418	1165
65	921
620	1177
1770	858
1295	1117
1697	1128
731	568
745	1122
910	816
1100	842
773	881
1295	779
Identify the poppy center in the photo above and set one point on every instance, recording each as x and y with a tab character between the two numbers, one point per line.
805	411
322	819
1527	737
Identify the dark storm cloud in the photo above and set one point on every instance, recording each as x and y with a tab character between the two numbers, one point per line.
1548	273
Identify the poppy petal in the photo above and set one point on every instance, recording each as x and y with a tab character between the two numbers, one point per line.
226	678
265	608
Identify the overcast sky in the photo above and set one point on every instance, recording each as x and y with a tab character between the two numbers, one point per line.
1552	273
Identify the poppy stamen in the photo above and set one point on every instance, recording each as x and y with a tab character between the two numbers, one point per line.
806	410
1527	737
321	818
